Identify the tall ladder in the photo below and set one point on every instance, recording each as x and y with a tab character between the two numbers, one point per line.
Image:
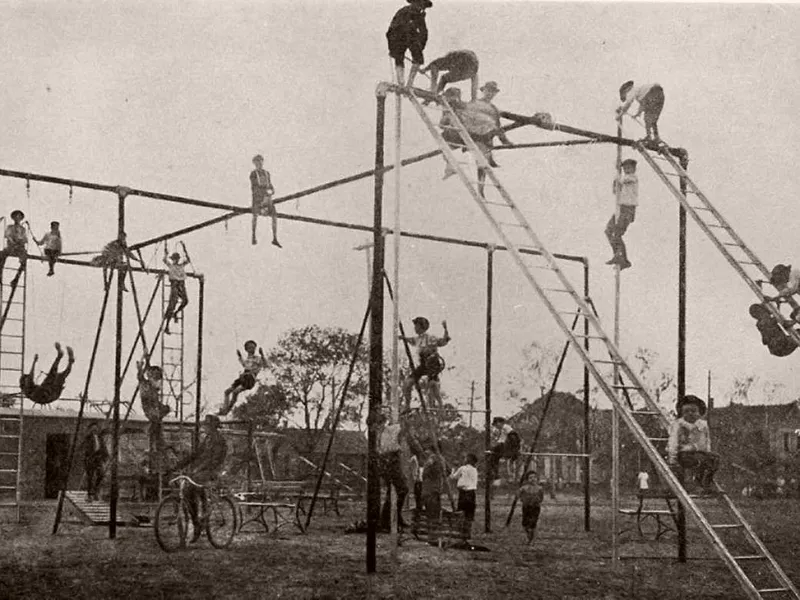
710	220
562	299
172	348
12	363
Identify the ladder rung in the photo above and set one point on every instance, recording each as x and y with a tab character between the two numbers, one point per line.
728	526
626	387
645	412
732	244
589	337
12	335
658	439
608	362
746	262
8	470
772	590
503	204
506	223
8	487
558	290
700	208
717	226
750	557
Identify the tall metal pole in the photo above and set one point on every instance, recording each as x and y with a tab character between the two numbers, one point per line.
112	521
376	341
487	392
201	301
684	160
615	411
587	440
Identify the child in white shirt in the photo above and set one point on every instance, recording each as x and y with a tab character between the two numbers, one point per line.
689	445
466	478
429	362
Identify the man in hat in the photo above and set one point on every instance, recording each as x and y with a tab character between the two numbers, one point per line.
262	191
408	31
52	245
429	363
650	98
484	119
459	65
16	242
204	466
177	286
689	443
626	194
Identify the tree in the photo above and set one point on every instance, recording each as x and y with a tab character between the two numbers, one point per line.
310	365
266	407
535	375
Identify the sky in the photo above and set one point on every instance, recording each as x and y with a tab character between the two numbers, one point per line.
178	97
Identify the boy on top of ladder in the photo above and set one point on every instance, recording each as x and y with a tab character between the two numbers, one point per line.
262	192
177	287
53	385
626	193
408	31
16	242
460	66
252	365
650	97
429	363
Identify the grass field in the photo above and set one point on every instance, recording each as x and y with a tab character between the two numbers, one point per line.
564	562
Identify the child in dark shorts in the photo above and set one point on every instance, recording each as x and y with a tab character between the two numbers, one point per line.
466	477
408	31
53	385
531	494
252	364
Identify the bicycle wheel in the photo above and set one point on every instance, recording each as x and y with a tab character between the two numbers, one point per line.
221	522
171	524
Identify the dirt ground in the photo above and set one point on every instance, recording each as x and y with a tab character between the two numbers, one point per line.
564	562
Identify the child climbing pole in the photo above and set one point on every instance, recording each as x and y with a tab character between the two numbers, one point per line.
429	363
650	98
252	364
115	255
52	245
177	287
53	385
16	242
626	193
408	31
262	192
150	380
459	65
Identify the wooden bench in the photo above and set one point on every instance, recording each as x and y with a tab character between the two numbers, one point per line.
658	516
450	529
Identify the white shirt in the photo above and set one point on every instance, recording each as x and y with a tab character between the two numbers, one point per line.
688	437
504	431
252	364
793	285
390	438
52	241
638	94
466	477
628	187
176	272
643	479
427	344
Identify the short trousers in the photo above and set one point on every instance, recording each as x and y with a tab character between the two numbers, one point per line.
398	44
245	381
530	515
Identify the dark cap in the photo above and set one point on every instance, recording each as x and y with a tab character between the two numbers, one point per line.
624	88
628	161
422	322
779	275
17	214
55	224
690	399
425	3
258	157
248	342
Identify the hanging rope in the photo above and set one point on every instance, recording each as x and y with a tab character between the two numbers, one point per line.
84	396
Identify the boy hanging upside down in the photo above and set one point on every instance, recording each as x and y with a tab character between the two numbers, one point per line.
429	363
252	364
53	385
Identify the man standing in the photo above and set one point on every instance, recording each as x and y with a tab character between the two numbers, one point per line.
391	469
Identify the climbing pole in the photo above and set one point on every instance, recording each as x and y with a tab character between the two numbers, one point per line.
755	569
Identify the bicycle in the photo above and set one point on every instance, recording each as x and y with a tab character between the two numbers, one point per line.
173	517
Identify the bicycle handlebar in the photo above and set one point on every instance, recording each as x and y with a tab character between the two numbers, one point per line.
181	478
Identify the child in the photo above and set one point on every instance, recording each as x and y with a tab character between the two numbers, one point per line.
651	101
262	190
95	456
415	474
626	193
177	287
150	378
460	66
531	495
786	280
429	363
408	31
507	446
53	385
432	483
52	246
450	133
772	336
247	379
466	478
486	108
689	445
113	256
391	468
16	242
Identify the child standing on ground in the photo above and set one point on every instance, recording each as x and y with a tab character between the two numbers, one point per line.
626	194
432	484
262	191
689	445
466	478
429	363
16	242
531	495
252	365
408	31
52	246
177	287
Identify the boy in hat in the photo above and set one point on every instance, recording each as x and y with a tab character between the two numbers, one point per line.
429	363
466	478
53	385
689	444
52	246
262	191
150	381
16	242
485	138
626	193
650	98
459	65
408	31
507	446
252	365
177	286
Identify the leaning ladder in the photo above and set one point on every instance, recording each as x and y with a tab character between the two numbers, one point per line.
172	352
731	246
562	299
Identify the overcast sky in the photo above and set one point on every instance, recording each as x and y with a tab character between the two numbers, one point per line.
177	98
